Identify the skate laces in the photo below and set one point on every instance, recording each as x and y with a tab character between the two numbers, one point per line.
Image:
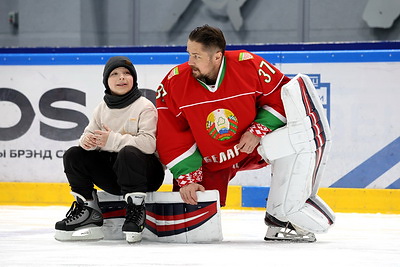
74	212
134	213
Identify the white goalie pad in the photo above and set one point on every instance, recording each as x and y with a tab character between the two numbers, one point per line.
168	218
298	154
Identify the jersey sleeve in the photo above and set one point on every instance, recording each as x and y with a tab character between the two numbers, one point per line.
270	110
175	143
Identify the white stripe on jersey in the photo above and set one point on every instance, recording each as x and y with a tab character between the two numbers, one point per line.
275	113
216	100
183	156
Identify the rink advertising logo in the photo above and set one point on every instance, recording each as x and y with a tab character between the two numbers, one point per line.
168	219
19	126
50	106
323	90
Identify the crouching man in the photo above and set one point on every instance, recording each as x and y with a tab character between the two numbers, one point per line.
216	113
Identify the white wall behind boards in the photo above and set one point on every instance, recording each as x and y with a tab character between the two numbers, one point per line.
361	100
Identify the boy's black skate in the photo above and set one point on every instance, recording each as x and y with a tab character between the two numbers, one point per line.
83	220
135	217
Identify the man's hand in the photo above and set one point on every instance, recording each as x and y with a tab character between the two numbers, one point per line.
101	137
248	142
188	193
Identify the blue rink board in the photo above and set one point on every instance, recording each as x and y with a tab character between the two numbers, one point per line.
254	196
174	58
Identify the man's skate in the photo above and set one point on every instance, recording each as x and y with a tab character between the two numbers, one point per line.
135	217
285	231
83	221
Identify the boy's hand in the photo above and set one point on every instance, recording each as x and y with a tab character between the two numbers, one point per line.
89	141
101	136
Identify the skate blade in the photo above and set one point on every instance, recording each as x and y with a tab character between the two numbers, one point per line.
294	240
85	234
133	237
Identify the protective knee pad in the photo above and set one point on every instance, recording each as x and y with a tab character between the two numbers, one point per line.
298	155
291	197
311	217
315	216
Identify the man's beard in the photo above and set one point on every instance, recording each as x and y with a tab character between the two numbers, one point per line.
207	81
204	78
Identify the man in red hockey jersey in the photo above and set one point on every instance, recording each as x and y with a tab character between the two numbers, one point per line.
213	111
221	110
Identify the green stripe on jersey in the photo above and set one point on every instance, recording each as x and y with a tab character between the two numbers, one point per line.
187	165
269	120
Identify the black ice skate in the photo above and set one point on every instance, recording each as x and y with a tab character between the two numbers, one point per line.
83	220
285	231
135	217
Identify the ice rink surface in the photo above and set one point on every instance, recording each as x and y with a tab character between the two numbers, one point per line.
26	239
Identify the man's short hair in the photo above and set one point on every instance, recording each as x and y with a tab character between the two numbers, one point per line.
209	36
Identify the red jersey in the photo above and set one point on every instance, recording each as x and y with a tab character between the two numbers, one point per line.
200	125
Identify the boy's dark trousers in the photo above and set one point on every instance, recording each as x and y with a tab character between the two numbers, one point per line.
117	173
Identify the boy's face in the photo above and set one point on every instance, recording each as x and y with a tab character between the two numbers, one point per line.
120	81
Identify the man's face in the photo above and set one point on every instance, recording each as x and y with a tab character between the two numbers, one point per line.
205	64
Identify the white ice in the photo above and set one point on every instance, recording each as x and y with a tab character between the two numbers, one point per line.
26	239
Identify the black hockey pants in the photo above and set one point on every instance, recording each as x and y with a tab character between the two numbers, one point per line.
118	173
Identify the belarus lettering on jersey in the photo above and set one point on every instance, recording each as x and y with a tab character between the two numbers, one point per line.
200	125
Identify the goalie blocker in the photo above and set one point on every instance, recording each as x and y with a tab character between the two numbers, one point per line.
298	153
168	218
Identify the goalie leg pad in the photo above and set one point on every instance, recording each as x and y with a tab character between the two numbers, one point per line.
303	107
290	197
307	128
292	182
289	190
298	154
313	217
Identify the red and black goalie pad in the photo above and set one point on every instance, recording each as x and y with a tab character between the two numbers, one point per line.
113	209
168	219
